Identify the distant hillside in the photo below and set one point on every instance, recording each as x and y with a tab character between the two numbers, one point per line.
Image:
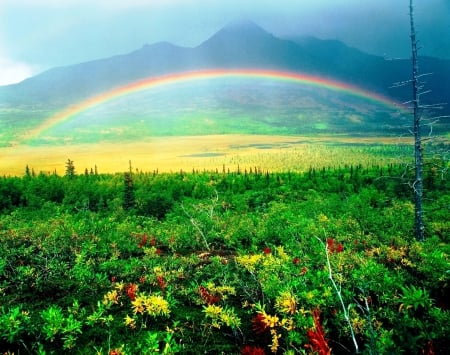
239	45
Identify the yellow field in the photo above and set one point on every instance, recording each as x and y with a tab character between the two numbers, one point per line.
172	154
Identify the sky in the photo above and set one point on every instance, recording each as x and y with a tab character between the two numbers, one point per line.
36	35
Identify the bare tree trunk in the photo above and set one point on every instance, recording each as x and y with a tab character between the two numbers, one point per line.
418	150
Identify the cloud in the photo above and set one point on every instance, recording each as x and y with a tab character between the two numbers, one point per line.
12	72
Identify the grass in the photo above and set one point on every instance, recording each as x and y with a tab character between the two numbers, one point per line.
210	152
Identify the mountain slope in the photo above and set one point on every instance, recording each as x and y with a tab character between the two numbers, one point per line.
239	45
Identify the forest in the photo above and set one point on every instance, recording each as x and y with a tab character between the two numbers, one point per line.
224	262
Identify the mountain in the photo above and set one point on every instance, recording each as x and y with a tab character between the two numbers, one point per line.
239	45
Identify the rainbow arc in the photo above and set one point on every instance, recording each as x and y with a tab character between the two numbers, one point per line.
154	82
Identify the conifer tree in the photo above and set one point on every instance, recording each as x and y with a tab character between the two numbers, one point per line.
70	168
128	197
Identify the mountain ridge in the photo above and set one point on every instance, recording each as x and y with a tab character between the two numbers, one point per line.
239	45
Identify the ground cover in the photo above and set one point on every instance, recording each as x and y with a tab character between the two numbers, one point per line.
240	262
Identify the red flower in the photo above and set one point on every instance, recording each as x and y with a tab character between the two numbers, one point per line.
429	348
113	279
267	250
330	243
143	241
131	291
153	241
206	296
317	342
259	325
296	261
304	270
161	283
142	279
252	350
333	247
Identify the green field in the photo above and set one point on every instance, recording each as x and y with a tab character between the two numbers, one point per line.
243	262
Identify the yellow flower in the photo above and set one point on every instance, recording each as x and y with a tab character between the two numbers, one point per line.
230	318
282	254
288	324
139	304
286	303
111	297
323	218
130	322
274	346
271	321
120	286
249	261
212	311
156	305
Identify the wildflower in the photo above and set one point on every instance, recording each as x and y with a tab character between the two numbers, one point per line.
259	324
271	321
288	324
249	261
153	241
113	279
116	351
131	291
138	304
333	247
161	283
296	261
317	342
286	303
330	244
267	250
281	253
252	350
143	241
212	310
230	318
111	297
207	297
323	218
142	279
156	305
130	322
119	286
275	344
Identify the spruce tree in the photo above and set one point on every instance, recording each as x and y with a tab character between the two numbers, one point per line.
70	168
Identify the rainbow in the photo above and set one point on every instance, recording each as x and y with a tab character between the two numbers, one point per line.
153	82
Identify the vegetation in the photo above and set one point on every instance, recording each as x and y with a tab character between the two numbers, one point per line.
242	262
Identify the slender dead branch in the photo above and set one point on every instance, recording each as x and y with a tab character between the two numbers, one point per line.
338	291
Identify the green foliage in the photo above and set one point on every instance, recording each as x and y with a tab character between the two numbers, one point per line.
218	262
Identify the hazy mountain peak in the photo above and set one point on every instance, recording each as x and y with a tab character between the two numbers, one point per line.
243	25
237	33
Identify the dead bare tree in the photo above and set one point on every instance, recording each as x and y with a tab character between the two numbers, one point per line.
419	225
